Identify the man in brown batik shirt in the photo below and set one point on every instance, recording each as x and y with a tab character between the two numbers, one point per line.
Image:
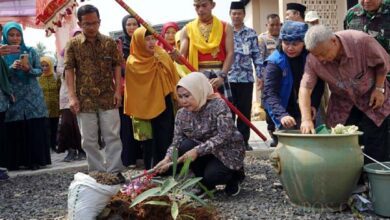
95	61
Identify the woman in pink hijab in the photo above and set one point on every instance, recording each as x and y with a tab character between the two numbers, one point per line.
168	32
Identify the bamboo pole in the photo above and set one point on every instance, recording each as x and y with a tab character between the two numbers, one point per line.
184	61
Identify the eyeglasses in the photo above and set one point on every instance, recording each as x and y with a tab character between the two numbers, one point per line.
90	24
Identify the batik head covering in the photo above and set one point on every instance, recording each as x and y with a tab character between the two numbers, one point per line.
199	87
293	31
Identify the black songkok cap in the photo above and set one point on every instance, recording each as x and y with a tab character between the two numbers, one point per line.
237	5
296	6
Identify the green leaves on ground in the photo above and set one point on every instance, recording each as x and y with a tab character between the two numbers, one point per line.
176	187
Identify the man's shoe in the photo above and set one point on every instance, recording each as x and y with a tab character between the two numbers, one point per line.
274	139
273	143
121	178
3	175
71	155
248	147
81	156
232	189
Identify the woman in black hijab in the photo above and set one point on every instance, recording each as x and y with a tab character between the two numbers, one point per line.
129	24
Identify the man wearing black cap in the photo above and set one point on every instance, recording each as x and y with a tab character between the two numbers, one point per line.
295	12
246	51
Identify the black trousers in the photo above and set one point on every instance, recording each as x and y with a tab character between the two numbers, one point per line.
270	123
53	127
375	139
162	127
131	148
242	99
212	170
3	135
68	133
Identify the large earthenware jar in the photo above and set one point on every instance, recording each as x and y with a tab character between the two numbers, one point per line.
318	171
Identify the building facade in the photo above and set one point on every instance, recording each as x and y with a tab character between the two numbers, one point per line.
331	12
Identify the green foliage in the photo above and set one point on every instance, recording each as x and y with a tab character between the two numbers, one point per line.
176	187
40	49
145	195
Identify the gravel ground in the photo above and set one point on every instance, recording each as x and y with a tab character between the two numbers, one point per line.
44	196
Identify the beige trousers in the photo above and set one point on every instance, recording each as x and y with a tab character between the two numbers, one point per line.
109	158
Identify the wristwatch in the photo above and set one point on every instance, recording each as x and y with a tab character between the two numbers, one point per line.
380	89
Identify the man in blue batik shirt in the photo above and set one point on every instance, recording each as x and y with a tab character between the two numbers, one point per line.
246	51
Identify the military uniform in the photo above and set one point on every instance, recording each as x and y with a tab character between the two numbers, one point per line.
375	24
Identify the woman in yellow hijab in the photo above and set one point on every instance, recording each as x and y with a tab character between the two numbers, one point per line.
51	89
151	78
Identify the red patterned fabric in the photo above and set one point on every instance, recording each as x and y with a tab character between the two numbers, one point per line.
52	13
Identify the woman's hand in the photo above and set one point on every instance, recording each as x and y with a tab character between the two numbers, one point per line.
216	82
16	65
193	154
25	68
288	121
4	50
163	165
175	55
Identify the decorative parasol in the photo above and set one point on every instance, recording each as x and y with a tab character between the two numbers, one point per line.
52	13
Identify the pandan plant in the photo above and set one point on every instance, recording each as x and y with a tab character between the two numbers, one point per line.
177	188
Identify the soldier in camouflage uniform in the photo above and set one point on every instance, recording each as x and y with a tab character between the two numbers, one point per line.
372	17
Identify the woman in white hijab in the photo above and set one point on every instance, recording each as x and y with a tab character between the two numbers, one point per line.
205	132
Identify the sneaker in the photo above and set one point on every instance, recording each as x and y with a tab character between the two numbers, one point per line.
71	156
3	175
232	189
121	178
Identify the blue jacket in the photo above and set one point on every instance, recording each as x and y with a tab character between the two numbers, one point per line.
278	87
280	59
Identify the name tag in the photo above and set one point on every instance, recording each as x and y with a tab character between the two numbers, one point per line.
245	49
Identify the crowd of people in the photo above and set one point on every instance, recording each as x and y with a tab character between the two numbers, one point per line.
119	100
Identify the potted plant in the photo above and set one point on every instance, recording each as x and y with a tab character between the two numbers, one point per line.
171	198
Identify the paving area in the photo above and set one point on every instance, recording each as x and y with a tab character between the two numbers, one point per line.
57	159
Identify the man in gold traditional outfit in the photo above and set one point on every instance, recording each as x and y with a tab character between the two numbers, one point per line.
207	42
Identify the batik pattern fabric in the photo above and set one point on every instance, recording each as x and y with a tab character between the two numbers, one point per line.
51	87
95	65
246	51
29	101
213	129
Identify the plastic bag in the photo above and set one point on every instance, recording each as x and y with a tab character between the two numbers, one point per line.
87	198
